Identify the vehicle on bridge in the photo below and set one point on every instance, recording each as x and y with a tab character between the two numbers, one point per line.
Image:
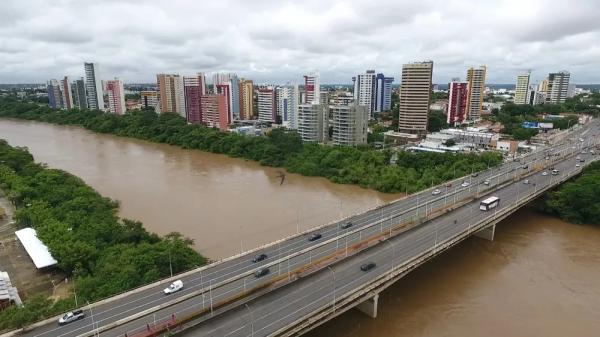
489	203
554	172
173	287
259	257
465	184
261	272
436	192
71	316
314	237
346	225
367	266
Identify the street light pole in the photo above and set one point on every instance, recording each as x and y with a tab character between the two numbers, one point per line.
251	319
333	272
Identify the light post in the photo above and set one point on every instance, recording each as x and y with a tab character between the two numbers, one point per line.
333	273
170	264
251	319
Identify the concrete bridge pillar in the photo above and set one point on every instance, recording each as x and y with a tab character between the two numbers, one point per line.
369	307
487	233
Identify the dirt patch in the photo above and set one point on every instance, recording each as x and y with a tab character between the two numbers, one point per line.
14	260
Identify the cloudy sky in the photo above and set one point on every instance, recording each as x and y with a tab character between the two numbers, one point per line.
277	41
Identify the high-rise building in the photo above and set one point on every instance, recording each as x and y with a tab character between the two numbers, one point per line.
222	78
149	99
215	112
267	104
521	88
287	105
78	94
234	84
535	97
194	89
349	124
246	99
415	96
225	90
54	94
383	93
543	86
172	93
312	88
457	102
116	96
66	92
364	90
313	122
558	87
476	80
93	86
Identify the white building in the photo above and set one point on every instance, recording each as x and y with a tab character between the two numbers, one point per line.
93	86
558	87
521	89
313	123
364	90
267	104
312	89
349	124
287	105
476	91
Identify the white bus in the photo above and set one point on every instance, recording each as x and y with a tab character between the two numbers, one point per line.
489	203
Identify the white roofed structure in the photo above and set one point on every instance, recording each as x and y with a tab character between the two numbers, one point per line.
37	250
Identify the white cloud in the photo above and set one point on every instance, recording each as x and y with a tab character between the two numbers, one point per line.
278	41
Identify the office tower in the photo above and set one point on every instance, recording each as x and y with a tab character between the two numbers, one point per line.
194	89
246	99
267	105
78	94
521	88
415	95
54	94
234	99
558	86
171	91
93	86
383	93
287	105
457	102
66	92
476	80
313	122
312	88
149	99
116	96
364	90
215	112
349	124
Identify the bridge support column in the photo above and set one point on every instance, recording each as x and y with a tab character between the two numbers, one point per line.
487	233
369	307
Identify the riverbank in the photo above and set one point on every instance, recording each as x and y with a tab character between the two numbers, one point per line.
105	254
280	148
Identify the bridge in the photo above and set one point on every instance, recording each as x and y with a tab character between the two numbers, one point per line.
312	281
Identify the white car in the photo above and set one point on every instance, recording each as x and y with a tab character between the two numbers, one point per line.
173	287
577	165
526	181
71	316
544	173
486	182
436	192
465	184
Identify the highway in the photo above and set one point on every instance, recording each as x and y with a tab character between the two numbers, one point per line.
207	286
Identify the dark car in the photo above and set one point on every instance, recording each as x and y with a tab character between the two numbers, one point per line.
367	266
259	257
314	236
346	225
524	167
261	272
71	316
474	174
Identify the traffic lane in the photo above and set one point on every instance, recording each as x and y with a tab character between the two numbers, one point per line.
473	213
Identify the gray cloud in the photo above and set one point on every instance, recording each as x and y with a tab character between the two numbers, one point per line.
278	41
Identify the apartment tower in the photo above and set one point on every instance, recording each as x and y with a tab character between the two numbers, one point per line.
172	93
476	80
194	88
349	124
246	99
116	96
415	96
457	102
267	104
522	88
364	90
93	86
312	88
558	87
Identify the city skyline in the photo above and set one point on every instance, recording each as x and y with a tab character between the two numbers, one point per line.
382	36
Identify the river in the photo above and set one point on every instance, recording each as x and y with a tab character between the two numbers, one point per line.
540	277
